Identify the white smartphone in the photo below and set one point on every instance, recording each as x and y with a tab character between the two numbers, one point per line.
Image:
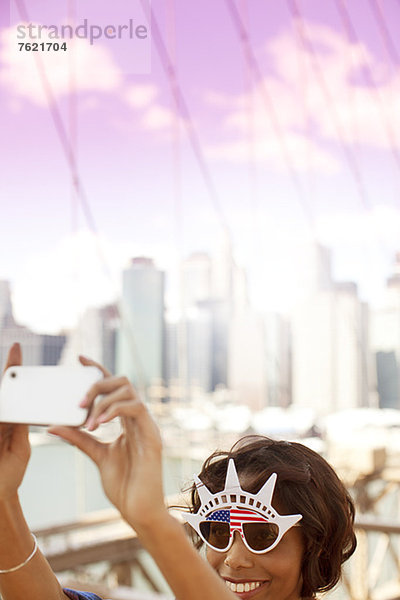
46	395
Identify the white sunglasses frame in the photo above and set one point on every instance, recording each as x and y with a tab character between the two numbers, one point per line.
240	530
233	496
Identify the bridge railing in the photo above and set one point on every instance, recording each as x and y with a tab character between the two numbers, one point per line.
373	573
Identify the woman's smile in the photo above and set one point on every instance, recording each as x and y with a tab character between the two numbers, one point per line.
274	575
246	588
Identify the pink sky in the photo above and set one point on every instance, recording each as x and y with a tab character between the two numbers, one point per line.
339	131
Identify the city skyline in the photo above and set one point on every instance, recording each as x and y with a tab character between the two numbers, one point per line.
97	283
332	353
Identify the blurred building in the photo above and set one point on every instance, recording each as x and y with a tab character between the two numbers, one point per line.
220	316
385	342
330	351
5	303
141	337
187	347
37	349
247	358
278	360
196	279
52	348
199	336
95	337
314	270
198	342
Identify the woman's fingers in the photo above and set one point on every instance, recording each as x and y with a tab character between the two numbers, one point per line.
137	421
82	440
115	389
119	400
14	357
120	409
84	360
104	386
134	415
122	391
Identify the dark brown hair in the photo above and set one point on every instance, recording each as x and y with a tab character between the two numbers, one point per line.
306	484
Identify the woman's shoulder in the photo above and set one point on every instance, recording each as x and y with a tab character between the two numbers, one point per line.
76	595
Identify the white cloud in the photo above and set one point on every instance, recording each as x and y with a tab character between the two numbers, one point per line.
140	96
56	287
153	116
300	105
379	226
158	117
340	67
267	149
94	69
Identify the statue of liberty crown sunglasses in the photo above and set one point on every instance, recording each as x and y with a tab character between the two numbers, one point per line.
260	526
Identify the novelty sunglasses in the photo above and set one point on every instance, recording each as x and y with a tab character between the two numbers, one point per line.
260	526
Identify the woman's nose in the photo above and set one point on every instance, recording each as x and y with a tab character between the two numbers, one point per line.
238	556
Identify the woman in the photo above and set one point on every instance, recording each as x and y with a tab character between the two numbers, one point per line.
294	565
295	542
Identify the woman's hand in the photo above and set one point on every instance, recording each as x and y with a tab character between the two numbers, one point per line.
131	474
131	466
14	444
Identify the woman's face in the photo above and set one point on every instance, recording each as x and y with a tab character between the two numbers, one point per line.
275	575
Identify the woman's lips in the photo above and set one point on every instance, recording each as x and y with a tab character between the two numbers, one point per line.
245	589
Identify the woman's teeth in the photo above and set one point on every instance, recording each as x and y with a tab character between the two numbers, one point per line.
243	587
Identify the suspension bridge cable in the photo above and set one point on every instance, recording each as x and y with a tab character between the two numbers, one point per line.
390	48
61	131
183	109
72	127
182	334
252	61
387	38
251	138
270	109
77	184
272	362
304	77
376	98
354	329
351	89
350	158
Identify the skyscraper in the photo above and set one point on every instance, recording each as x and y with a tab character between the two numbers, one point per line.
196	279
330	351
140	348
385	341
94	336
5	302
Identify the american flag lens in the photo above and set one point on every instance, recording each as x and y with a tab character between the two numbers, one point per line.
258	533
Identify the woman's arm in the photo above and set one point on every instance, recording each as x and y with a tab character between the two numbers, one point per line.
131	473
188	575
35	580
